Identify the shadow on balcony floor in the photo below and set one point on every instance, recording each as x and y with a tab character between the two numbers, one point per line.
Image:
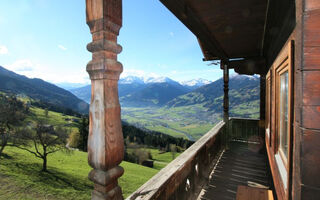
241	164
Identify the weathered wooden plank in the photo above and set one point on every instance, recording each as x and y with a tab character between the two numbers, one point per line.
312	5
311	36
310	117
296	162
309	192
311	87
181	10
183	176
251	193
249	66
310	160
311	58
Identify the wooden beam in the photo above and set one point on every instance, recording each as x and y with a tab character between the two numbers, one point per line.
190	19
249	66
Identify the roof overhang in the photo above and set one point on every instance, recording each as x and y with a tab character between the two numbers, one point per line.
226	29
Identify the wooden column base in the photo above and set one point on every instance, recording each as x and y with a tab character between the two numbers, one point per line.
106	184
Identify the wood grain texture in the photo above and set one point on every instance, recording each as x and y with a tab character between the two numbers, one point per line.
312	5
311	36
311	58
251	193
184	177
310	160
310	117
105	141
311	88
238	26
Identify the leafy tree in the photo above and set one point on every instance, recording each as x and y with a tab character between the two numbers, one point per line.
12	114
84	132
44	138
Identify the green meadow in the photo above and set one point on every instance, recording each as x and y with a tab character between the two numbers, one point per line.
67	177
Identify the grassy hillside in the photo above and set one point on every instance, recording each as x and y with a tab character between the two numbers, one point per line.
68	171
40	90
67	178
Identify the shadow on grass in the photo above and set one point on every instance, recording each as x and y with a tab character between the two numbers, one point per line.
53	179
5	156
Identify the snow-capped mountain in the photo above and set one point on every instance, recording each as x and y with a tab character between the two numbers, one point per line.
131	79
158	80
195	83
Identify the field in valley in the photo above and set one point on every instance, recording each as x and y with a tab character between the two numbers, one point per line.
189	122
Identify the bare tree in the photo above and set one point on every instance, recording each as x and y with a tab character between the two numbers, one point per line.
44	138
12	113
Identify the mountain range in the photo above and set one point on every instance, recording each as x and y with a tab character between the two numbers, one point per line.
181	109
163	91
151	91
244	95
38	89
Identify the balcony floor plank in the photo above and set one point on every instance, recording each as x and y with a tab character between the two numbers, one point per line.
241	164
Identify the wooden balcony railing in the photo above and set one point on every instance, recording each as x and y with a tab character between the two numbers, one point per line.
184	177
244	130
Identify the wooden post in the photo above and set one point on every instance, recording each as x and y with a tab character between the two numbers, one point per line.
262	106
226	93
105	143
226	100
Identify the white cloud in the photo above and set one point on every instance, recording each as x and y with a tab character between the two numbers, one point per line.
21	66
48	73
3	50
62	47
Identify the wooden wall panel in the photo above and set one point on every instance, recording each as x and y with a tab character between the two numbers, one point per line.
311	87
312	57
311	5
307	102
309	193
311	36
296	179
311	159
311	117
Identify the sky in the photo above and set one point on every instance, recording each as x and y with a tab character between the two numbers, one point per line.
47	39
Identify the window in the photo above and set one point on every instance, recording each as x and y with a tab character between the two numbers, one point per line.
284	115
279	111
268	107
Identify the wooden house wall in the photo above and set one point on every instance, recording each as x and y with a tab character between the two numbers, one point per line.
306	158
281	21
304	177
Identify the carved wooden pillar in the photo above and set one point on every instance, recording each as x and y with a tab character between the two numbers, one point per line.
226	102
226	93
105	143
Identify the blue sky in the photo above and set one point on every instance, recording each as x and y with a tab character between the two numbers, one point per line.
47	39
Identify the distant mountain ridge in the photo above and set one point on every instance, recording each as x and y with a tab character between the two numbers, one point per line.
244	94
40	90
195	83
146	91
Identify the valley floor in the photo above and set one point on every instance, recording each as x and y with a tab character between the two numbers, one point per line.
190	122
